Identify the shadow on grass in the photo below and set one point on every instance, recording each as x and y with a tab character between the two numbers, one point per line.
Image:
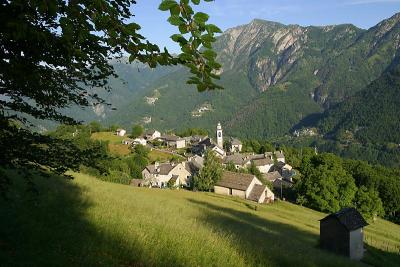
265	242
377	257
52	229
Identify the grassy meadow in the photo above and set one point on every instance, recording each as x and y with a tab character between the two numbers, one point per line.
87	222
157	155
111	137
115	145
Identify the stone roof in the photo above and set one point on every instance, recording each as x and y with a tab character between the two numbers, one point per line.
263	162
237	159
163	169
349	218
192	167
234	180
150	132
207	142
277	183
235	142
272	176
256	193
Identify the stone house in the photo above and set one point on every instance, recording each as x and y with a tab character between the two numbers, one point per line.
139	141
235	145
264	165
285	170
173	141
127	141
205	144
280	157
158	175
120	132
245	186
152	134
342	233
239	160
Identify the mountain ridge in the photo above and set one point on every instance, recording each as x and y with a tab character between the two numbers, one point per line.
274	76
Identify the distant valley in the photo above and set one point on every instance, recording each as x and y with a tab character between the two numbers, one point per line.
275	76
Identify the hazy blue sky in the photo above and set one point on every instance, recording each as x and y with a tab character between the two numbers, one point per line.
230	13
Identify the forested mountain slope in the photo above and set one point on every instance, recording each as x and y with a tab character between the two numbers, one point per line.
370	116
274	76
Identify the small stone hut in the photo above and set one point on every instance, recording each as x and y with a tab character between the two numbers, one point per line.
342	233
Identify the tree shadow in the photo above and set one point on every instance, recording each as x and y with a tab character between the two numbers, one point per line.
53	229
265	242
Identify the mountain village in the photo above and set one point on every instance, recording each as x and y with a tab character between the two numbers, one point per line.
272	166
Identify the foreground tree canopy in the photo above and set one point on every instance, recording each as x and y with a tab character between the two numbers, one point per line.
52	53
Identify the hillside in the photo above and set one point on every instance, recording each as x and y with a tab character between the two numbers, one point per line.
86	222
274	76
370	116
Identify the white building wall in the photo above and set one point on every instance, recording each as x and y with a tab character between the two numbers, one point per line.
239	193
356	244
182	173
265	168
181	143
221	190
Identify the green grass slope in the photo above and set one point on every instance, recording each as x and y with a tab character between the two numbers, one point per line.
86	222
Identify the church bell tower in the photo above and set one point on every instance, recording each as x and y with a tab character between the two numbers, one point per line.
220	140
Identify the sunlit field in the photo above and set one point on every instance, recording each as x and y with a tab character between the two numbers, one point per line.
87	222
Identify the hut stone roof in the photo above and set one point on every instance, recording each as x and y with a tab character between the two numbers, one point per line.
349	218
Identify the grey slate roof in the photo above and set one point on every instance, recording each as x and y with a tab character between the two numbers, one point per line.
234	180
171	138
164	168
235	142
192	167
272	176
263	162
150	132
349	218
237	159
257	191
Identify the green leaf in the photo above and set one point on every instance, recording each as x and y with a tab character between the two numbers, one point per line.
175	10
211	28
207	38
176	20
200	17
167	4
196	2
209	54
183	28
179	39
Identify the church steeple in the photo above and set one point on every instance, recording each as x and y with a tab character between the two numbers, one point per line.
220	140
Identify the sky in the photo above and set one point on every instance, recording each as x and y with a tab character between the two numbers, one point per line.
230	13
